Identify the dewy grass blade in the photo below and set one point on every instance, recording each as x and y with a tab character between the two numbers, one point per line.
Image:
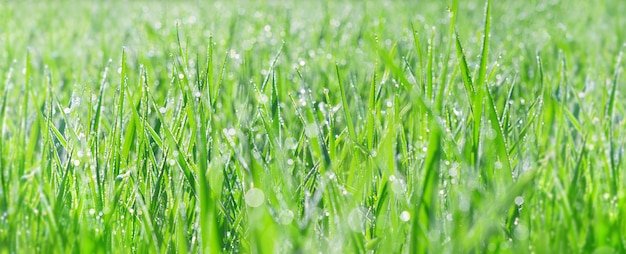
446	79
482	70
208	74
371	114
472	96
427	197
96	120
480	82
272	66
216	90
506	114
577	174
465	72
610	107
478	87
345	106
609	115
119	119
186	168
504	173
210	239
275	106
21	149
418	49
5	175
430	75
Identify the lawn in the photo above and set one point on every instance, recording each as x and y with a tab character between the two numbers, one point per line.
312	126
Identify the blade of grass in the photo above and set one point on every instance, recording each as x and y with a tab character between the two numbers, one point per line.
371	113
505	173
345	106
609	114
426	198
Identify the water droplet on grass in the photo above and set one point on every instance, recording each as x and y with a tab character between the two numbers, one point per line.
254	197
398	186
229	132
453	172
405	216
331	175
285	217
519	200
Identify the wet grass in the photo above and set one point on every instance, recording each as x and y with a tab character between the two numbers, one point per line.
305	127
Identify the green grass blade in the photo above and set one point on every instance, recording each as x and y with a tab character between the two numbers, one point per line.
504	174
371	114
345	106
484	55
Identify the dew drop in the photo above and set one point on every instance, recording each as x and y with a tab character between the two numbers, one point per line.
254	197
405	216
453	172
285	217
519	200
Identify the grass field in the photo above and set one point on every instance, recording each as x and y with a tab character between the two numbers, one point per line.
312	126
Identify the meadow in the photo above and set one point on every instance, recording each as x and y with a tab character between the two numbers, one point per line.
312	126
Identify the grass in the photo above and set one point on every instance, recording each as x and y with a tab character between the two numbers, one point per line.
305	127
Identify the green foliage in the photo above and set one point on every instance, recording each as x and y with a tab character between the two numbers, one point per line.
312	126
